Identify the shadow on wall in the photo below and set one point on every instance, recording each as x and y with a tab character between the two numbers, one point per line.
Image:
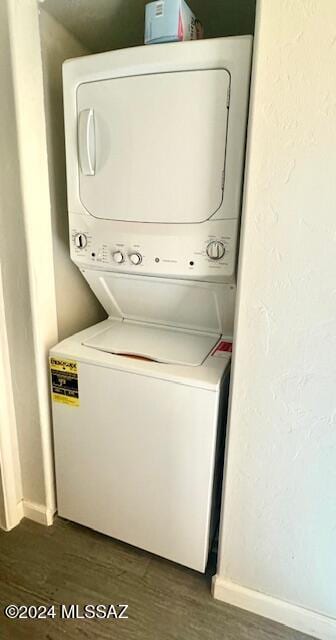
225	17
77	307
114	24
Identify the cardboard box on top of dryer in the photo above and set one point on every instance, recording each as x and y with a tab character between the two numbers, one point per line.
170	21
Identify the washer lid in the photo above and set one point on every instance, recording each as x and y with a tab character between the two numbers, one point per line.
162	344
185	304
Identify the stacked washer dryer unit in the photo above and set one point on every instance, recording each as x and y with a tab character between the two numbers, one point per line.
155	140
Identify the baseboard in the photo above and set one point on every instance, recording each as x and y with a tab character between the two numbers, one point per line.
38	513
16	516
290	615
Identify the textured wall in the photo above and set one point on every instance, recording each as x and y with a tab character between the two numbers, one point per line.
77	307
279	517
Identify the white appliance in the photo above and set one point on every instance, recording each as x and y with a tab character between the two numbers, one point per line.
155	140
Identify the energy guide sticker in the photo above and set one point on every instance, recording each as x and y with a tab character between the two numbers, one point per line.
64	381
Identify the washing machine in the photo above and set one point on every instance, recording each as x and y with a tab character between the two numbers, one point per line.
155	141
137	440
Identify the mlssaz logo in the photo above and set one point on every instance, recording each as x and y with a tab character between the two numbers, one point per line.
104	612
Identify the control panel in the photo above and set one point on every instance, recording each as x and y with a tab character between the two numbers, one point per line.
203	252
215	250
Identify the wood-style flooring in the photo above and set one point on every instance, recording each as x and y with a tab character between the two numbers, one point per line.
68	564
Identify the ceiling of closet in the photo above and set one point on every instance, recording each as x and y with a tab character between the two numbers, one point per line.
102	25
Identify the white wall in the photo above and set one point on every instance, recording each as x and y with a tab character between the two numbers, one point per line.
33	246
12	490
77	307
279	512
14	288
2	505
33	172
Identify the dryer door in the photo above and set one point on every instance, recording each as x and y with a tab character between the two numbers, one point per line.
151	148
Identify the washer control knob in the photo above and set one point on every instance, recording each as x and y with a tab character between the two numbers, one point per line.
215	250
80	240
118	257
135	258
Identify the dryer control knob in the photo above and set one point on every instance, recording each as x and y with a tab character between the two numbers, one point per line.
135	258
80	240
118	257
215	250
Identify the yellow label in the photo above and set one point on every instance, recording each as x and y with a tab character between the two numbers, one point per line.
64	381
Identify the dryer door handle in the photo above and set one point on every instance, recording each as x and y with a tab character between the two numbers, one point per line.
87	142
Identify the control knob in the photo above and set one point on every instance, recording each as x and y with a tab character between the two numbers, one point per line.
118	257
135	258
80	240
215	250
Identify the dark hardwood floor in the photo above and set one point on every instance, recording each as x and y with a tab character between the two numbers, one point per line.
68	564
